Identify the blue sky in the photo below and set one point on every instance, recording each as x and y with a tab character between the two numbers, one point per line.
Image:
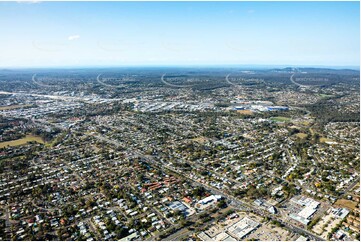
179	33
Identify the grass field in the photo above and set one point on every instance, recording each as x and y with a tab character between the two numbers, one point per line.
200	139
246	112
324	140
312	131
325	96
351	205
22	141
12	107
280	119
305	123
301	135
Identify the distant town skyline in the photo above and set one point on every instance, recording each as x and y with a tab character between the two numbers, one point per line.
80	34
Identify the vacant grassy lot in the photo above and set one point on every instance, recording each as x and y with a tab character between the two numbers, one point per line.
326	96
280	119
305	123
312	131
351	205
246	112
324	140
22	141
200	139
301	135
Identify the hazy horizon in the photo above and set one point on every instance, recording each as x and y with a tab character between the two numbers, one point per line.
244	66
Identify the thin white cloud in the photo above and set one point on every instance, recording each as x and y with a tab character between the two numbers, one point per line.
251	11
73	37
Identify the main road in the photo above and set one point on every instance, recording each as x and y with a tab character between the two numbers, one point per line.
235	202
245	206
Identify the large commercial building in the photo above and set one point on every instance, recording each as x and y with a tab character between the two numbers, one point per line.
242	228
